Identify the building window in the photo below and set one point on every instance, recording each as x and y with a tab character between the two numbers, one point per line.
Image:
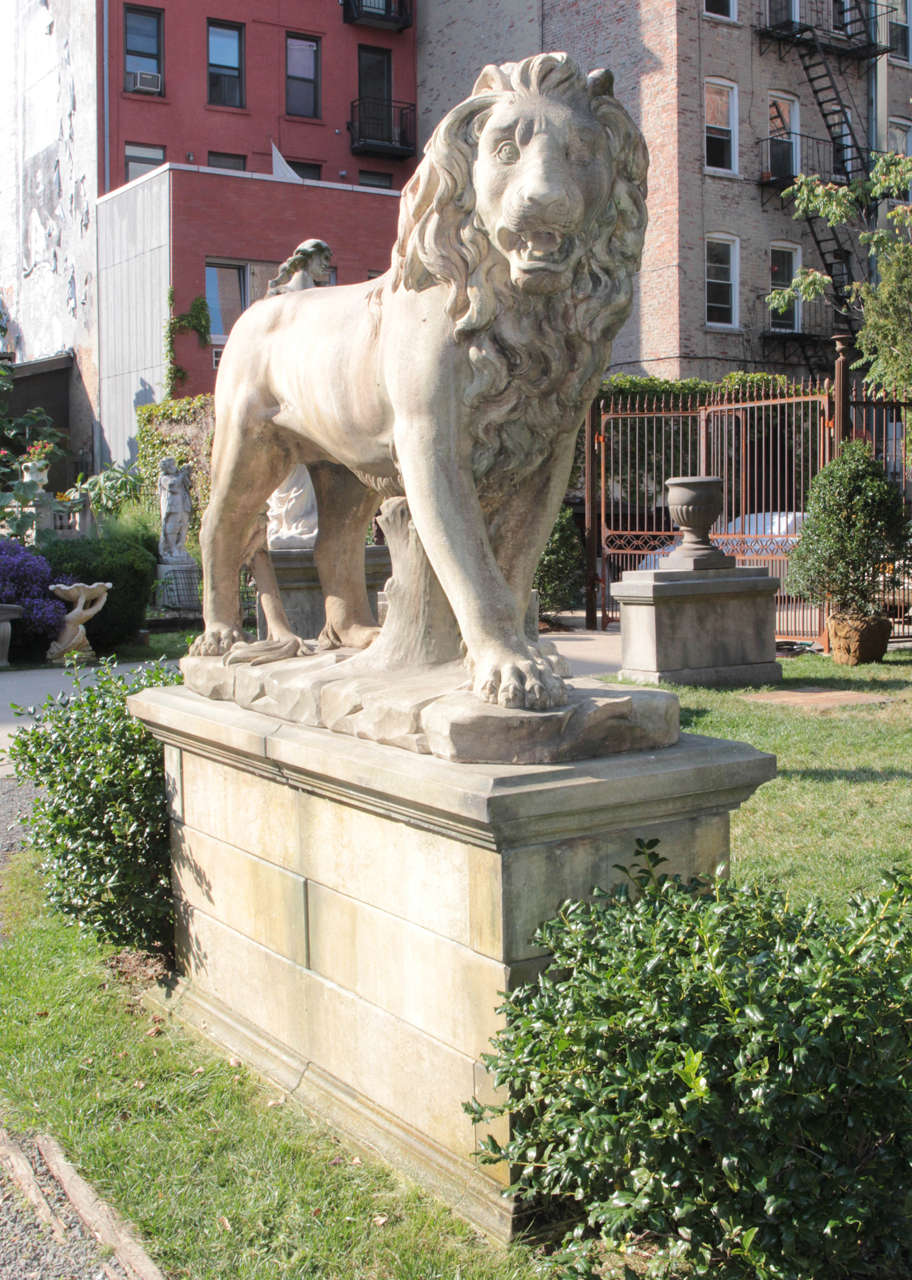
302	76
375	93
785	259
305	169
784	160
226	160
226	65
721	126
372	178
899	139
141	159
721	8
722	281
143	50
226	295
899	30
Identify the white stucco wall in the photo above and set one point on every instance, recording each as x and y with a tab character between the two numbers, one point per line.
48	181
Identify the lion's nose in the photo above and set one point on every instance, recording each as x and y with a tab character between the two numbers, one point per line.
542	199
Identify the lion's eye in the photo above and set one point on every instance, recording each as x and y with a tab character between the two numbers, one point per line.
507	152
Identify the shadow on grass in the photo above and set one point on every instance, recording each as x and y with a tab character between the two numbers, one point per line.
846	775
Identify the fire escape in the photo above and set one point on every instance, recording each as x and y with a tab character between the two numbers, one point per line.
831	38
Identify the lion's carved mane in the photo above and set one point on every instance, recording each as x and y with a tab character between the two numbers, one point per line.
532	358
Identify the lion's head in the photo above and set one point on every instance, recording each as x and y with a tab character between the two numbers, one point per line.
529	205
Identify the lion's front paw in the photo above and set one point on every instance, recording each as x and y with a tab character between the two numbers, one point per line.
216	641
519	680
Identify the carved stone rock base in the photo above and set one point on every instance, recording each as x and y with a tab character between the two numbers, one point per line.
433	712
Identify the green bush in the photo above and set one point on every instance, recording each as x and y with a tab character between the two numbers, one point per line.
561	575
100	822
133	520
110	557
711	1070
853	535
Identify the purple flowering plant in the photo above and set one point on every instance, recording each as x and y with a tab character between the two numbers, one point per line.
25	578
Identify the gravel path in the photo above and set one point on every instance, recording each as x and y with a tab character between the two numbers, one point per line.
28	1250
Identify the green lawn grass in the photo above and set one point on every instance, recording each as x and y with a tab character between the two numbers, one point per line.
219	1183
840	809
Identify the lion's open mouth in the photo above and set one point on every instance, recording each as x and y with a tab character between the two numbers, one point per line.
537	250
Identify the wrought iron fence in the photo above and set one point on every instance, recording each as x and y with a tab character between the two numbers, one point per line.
767	446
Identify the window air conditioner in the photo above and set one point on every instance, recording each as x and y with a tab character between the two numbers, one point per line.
143	82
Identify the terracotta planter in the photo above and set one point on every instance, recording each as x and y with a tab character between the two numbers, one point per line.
854	640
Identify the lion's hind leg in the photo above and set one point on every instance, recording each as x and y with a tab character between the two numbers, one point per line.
344	509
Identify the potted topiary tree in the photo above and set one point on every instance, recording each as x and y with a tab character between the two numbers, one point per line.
853	545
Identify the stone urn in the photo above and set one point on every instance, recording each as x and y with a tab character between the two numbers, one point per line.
695	503
35	473
855	639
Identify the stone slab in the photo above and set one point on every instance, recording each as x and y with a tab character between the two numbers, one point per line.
302	595
431	710
817	699
732	676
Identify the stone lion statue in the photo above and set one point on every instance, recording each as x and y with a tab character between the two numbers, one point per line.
458	380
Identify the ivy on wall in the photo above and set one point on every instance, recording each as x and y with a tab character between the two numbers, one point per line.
194	320
181	429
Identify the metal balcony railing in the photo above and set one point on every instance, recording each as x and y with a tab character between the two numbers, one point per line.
814	319
393	15
849	25
783	157
382	128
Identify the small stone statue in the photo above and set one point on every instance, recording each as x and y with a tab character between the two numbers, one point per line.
175	506
292	508
309	265
86	601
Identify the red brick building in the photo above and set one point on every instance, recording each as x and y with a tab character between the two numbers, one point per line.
187	145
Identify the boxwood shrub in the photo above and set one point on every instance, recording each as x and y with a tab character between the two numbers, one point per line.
100	821
110	557
722	1075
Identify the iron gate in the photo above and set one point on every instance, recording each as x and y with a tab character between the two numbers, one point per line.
766	446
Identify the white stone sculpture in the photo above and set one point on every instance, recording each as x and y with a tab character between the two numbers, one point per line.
455	384
175	507
292	508
85	601
309	265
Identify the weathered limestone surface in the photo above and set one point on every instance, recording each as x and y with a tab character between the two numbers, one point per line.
431	710
348	913
708	626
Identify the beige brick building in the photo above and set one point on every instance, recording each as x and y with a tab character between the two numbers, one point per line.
734	97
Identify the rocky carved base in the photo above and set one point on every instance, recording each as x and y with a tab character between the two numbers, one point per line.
431	710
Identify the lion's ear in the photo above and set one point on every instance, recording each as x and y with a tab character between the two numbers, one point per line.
493	79
600	83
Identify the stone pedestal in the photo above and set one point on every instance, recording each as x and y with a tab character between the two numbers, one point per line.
703	627
8	614
179	585
302	597
349	913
